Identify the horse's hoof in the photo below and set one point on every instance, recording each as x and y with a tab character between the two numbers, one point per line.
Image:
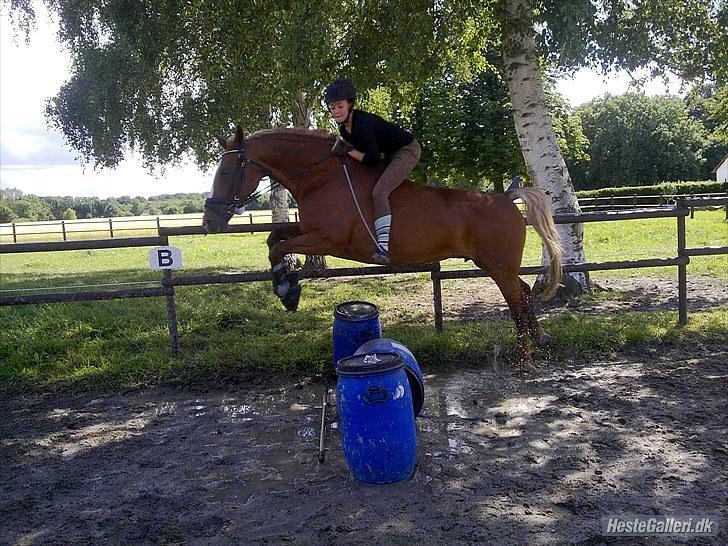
544	340
291	298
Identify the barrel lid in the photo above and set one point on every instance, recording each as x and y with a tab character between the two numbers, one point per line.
356	310
369	363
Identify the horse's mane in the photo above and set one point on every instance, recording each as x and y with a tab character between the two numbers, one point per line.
319	134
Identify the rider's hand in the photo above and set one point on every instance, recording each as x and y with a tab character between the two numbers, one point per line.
341	147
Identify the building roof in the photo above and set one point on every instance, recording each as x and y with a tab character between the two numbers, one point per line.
720	163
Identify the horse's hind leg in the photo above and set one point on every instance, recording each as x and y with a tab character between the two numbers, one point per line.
541	338
510	286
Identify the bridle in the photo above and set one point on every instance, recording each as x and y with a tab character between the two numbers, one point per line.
232	205
235	203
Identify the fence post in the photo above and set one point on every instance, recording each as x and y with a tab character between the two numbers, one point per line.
682	269
158	224
15	235
63	229
171	311
437	298
111	228
250	218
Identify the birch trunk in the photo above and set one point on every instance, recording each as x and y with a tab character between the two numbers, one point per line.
540	149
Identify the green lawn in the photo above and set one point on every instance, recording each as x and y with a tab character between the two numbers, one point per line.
227	329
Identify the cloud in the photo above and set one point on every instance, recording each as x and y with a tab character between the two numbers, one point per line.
585	85
34	147
130	178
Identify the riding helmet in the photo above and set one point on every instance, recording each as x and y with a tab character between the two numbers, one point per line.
341	89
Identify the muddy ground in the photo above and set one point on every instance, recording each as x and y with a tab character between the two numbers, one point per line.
501	460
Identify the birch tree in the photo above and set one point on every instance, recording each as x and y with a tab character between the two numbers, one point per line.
684	37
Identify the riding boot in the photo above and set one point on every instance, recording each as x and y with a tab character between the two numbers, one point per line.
380	258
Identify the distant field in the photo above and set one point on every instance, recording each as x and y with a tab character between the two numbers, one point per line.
124	226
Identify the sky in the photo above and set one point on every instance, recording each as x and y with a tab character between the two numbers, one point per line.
35	159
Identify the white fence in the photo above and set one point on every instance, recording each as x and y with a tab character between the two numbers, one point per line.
65	230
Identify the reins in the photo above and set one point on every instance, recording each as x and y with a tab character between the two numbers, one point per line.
358	208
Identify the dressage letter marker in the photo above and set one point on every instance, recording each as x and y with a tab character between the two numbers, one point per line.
165	257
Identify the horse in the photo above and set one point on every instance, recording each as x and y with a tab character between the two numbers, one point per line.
429	224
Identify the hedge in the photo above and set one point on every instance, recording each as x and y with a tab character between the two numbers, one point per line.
666	188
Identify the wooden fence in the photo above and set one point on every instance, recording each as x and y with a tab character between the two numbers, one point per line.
169	281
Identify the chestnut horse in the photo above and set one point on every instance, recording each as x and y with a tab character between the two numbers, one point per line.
428	224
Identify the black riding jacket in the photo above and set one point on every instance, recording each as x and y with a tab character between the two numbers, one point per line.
375	137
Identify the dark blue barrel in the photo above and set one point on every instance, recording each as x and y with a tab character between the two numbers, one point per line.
355	322
377	422
414	374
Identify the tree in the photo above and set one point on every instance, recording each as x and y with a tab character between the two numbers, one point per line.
10	193
467	132
7	214
683	37
639	140
70	214
162	77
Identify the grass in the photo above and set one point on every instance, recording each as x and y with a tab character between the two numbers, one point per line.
228	330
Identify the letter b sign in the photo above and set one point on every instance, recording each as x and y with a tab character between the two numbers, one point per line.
165	257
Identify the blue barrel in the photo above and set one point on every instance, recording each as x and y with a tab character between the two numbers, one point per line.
377	422
355	322
414	374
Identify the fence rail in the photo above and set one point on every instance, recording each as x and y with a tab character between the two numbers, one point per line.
168	282
619	202
66	229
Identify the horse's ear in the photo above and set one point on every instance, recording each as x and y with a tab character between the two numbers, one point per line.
221	141
239	134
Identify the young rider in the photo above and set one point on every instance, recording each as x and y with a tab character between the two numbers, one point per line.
372	140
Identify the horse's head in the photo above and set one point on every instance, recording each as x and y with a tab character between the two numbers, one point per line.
236	178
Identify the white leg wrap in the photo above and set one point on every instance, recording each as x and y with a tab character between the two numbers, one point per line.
382	226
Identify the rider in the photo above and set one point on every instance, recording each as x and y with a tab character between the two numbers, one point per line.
372	140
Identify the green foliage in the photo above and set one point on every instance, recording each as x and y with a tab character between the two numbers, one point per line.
667	188
638	138
7	214
70	214
467	133
717	107
685	37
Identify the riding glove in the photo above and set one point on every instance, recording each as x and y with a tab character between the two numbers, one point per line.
341	147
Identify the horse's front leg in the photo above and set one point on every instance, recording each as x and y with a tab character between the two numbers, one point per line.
285	281
278	234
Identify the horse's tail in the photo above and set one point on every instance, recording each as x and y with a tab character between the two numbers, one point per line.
538	214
